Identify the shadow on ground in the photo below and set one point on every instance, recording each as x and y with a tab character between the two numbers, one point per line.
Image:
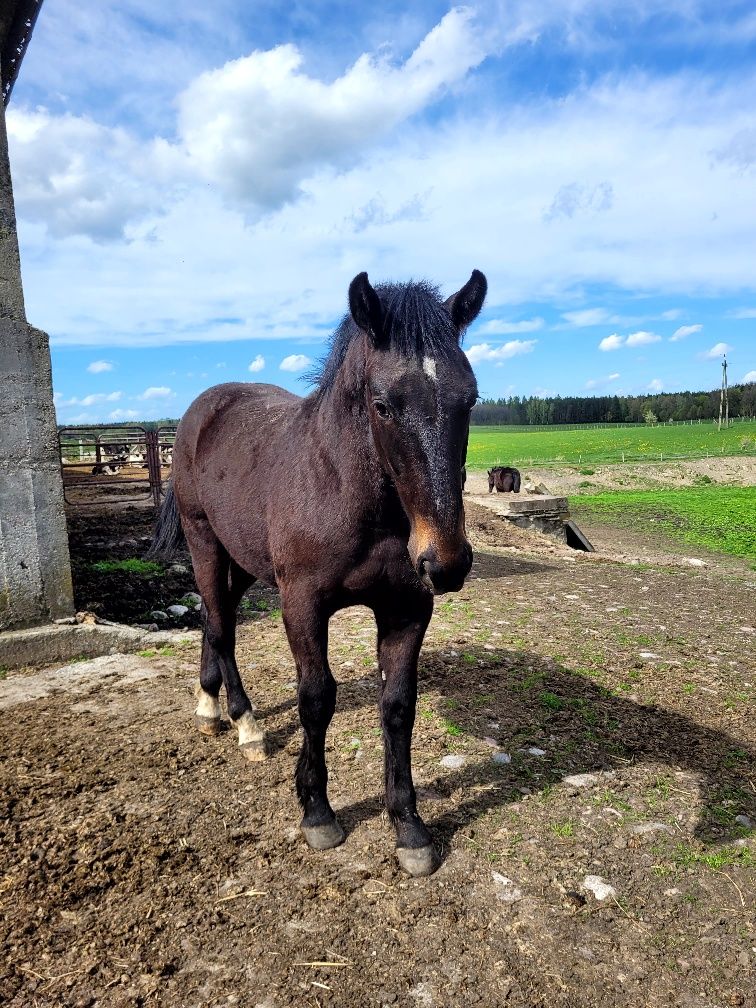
583	727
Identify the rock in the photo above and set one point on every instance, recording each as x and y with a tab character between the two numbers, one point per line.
501	758
158	614
491	742
535	751
650	827
453	762
745	821
178	568
599	887
177	610
149	627
581	780
505	888
695	562
648	655
192	598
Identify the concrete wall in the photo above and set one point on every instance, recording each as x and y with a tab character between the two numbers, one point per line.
35	569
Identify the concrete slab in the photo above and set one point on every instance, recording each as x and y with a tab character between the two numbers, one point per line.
80	679
52	642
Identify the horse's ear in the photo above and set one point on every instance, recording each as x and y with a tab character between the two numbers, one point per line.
365	307
465	305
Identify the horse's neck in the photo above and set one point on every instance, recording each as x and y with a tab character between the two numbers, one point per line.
343	429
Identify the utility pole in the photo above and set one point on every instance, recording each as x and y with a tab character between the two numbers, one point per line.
724	402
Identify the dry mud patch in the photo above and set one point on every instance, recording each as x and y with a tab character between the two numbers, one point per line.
581	725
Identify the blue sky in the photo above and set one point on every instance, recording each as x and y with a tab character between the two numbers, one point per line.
196	185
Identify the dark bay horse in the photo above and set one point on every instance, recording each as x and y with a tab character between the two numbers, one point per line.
375	519
505	479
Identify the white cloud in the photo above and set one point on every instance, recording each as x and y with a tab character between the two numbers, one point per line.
641	338
716	351
123	414
94	398
98	366
78	177
575	198
500	327
259	126
257	364
587	317
593	383
484	352
295	363
683	331
81	418
671	314
613	342
79	180
744	313
750	376
157	392
655	385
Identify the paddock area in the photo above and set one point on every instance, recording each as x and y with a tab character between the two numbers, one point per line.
584	754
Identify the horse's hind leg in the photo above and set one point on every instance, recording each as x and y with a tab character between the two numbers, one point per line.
207	717
221	584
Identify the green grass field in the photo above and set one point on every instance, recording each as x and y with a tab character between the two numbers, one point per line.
490	446
723	518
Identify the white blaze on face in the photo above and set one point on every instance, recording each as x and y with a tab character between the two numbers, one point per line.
429	366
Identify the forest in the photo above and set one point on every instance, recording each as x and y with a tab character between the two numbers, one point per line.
660	406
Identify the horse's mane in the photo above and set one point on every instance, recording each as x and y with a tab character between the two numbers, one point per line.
416	324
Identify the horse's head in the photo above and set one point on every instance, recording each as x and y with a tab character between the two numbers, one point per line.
419	390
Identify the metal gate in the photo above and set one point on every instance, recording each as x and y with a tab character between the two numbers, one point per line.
115	465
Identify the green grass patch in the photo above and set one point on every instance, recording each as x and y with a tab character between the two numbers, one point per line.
490	446
721	518
147	568
685	856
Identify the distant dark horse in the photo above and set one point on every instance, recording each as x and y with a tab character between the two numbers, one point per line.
504	478
375	518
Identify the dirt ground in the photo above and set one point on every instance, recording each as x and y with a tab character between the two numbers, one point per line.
575	479
584	754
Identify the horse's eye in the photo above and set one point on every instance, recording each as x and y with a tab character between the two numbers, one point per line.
381	409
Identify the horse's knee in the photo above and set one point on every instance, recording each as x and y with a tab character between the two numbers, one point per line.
316	698
397	711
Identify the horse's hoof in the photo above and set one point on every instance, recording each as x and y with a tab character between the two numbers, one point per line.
324	837
254	751
418	861
207	725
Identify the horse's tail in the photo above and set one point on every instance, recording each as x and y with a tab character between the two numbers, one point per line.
168	535
516	480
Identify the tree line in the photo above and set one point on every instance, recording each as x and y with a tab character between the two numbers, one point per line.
661	406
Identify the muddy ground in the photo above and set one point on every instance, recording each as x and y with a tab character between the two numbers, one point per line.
584	754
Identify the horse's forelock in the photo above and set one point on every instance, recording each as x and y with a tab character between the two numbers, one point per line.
416	325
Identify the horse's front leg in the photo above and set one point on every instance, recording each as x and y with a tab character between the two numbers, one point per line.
307	629
402	623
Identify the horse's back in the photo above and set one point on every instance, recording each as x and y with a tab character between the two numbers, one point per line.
227	414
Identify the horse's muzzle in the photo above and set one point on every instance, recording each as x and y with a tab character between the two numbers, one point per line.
444	574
